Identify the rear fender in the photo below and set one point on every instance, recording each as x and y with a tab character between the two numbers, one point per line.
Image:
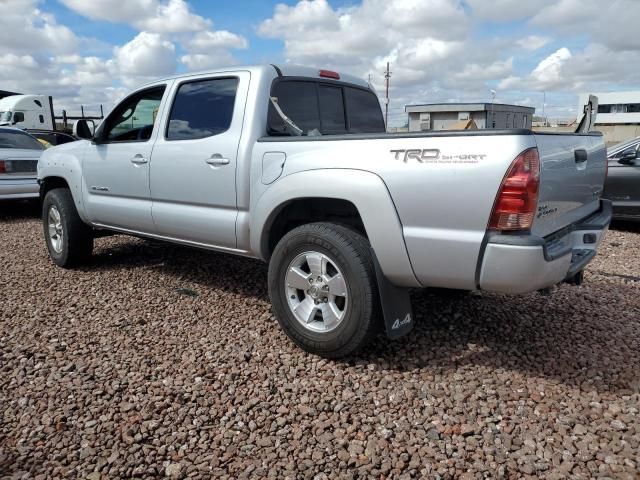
363	189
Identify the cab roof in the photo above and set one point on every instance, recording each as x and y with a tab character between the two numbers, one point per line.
287	70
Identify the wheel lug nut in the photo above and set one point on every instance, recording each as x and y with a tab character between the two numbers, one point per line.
311	280
326	300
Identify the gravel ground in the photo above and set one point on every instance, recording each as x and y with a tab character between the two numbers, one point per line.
158	360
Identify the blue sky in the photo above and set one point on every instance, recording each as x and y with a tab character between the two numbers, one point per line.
91	52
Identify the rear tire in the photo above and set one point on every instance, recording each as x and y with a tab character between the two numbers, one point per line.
69	239
323	289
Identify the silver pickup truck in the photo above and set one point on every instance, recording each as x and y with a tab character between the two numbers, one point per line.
292	165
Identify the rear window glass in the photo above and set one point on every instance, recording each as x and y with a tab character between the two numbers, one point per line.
365	115
202	109
16	139
332	110
299	102
325	108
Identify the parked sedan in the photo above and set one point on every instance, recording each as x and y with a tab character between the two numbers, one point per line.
51	138
622	186
19	154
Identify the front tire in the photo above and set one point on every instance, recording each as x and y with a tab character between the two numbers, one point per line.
69	239
323	289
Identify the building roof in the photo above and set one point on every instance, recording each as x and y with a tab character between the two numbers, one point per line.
465	107
612	98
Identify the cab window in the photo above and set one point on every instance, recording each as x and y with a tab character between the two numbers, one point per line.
202	109
325	108
133	119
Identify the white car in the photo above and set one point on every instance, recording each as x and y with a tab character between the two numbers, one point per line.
19	155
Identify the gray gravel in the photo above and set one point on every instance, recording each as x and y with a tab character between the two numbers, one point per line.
163	361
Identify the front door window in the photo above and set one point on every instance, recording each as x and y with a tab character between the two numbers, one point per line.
133	119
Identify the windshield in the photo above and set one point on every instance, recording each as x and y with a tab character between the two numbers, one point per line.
5	116
18	139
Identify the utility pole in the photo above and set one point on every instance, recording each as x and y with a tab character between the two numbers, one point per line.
544	104
493	98
387	76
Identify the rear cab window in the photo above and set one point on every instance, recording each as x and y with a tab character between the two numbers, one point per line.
324	108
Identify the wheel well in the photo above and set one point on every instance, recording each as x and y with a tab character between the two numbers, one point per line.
307	210
50	183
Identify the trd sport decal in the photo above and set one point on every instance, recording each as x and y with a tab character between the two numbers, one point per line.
433	155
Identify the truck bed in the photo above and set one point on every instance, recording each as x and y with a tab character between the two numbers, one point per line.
444	198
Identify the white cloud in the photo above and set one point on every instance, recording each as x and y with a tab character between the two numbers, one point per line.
9	60
146	57
162	23
506	10
548	72
39	55
533	42
312	29
427	42
172	16
205	41
24	28
613	24
112	10
202	61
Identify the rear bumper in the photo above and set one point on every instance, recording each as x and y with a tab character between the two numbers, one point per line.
15	189
525	263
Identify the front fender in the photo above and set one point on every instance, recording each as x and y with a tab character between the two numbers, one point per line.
65	162
365	190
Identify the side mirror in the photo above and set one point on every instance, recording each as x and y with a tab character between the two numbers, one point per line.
629	157
81	129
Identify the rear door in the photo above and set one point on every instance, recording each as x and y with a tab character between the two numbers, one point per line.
623	184
572	174
193	166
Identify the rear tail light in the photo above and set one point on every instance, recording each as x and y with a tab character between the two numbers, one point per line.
517	199
329	74
3	168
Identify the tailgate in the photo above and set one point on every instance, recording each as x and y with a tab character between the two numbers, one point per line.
572	173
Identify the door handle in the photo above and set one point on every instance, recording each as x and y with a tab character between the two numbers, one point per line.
217	160
580	155
138	160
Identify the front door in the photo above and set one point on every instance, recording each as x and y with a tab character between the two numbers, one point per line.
193	165
116	164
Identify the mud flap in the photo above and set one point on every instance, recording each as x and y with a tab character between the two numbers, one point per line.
396	305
